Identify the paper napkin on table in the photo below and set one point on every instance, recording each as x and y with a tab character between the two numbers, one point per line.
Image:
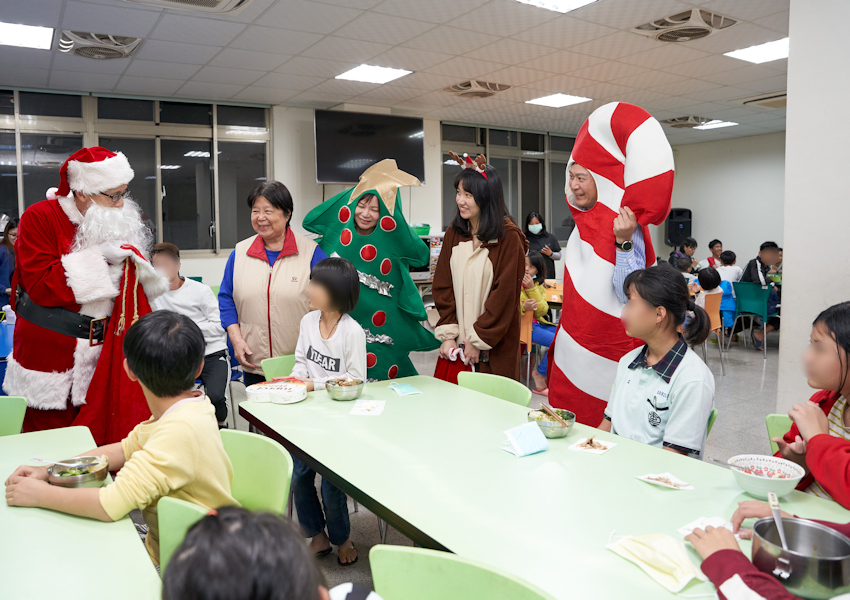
525	439
704	522
675	482
368	407
608	445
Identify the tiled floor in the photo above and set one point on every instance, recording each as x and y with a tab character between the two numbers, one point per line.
744	396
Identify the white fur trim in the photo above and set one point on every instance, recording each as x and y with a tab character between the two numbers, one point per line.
69	205
85	362
91	178
154	284
43	390
88	276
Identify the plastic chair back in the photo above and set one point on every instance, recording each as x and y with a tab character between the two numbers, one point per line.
711	419
279	366
496	386
175	519
262	470
751	299
12	410
526	323
777	426
215	289
712	307
404	573
198	279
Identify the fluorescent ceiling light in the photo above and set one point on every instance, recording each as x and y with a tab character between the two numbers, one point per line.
716	124
762	53
372	74
558	100
26	36
561	6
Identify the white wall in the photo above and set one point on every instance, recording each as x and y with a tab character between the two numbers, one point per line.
816	202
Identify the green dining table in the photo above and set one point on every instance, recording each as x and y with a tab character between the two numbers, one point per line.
50	555
432	466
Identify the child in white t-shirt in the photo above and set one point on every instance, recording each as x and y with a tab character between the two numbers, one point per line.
728	271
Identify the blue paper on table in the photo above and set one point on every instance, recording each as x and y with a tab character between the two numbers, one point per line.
525	439
403	389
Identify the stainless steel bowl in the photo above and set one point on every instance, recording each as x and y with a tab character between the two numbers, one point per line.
345	392
817	563
553	429
92	479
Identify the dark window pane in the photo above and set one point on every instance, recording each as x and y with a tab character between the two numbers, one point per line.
561	144
562	220
242	115
457	133
7	102
51	105
450	171
187	202
241	166
532	187
507	168
125	110
142	156
185	113
8	175
501	137
531	141
43	156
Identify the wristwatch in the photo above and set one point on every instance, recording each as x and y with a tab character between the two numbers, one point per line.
625	246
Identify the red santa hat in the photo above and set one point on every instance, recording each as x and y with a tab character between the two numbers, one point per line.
90	171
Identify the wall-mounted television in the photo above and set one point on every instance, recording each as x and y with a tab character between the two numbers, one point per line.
348	143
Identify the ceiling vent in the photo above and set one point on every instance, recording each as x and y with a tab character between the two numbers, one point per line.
771	100
477	89
99	46
685	26
686	122
232	7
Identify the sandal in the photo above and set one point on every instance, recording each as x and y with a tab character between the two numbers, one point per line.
543	392
758	345
344	554
324	552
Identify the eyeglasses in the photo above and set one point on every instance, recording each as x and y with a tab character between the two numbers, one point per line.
116	197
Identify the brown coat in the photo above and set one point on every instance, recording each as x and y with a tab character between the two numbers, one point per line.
478	291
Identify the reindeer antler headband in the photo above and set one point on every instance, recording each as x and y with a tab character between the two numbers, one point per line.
467	163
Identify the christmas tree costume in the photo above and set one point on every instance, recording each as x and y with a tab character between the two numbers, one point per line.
390	308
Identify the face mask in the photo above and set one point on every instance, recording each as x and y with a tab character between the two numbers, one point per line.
536	228
660	556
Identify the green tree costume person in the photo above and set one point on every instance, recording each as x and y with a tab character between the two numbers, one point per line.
390	308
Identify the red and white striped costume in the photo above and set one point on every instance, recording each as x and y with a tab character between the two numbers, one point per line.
627	153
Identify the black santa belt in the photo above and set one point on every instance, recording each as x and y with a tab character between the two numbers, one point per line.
61	320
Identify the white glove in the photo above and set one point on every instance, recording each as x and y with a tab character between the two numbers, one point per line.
114	253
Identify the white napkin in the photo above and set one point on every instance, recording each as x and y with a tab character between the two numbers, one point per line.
525	439
608	445
368	407
653	479
704	522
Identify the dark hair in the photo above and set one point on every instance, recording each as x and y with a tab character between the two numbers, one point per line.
12	224
780	248
688	242
727	257
708	278
339	277
663	286
836	320
530	216
165	351
166	248
768	245
240	555
684	264
713	243
537	261
489	197
277	195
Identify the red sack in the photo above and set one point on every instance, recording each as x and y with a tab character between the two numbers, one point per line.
447	370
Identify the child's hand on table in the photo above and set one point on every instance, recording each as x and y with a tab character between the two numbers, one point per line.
751	509
711	540
28	471
25	491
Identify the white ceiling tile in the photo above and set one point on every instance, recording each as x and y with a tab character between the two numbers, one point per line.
664	56
23	76
113	20
562	62
673	103
208	91
224	75
610	70
565	84
82	81
452	113
756	117
391	94
275	41
391	30
769	84
25	57
148	85
515	109
315	67
731	114
450	39
344	87
599	91
687	86
465	68
433	11
563	32
195	30
708	65
411	59
748	10
300	15
648	79
776	21
482	104
135	5
360	4
72	62
617	45
780	65
286	81
251	12
194	54
44	13
623	14
742	35
510	51
433	99
515	76
336	48
721	93
161	69
264	95
505	18
315	100
246	59
424	81
640	97
743	75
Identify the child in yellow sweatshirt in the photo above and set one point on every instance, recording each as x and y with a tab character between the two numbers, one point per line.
532	297
177	452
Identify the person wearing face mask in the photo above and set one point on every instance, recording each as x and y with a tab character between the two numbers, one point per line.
540	240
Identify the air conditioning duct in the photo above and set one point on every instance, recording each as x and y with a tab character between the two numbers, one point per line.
99	46
477	89
685	26
231	7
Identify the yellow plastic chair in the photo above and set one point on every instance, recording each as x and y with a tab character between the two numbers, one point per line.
711	419
404	573
12	410
777	426
496	386
262	470
279	366
175	519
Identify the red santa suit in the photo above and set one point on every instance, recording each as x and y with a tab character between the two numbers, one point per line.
56	271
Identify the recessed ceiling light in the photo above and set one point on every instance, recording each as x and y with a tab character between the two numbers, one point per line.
373	74
716	124
762	53
561	6
558	100
26	36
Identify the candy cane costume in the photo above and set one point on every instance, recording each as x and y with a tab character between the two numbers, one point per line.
631	162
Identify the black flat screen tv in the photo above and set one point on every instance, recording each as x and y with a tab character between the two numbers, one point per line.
348	143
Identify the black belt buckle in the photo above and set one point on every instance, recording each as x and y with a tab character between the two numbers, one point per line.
93	341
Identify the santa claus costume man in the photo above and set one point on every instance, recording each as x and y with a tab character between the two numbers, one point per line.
81	281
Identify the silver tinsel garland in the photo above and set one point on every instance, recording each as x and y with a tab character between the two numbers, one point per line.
372	282
380	338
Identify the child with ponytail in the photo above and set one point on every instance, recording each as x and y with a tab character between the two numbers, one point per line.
663	393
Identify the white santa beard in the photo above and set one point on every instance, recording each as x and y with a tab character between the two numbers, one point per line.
112	224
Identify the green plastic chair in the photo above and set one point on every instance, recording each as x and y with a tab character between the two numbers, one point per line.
777	426
198	279
711	419
12	409
495	385
404	573
175	519
262	470
751	301
215	289
279	366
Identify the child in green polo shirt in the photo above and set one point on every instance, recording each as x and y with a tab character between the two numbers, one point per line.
663	393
